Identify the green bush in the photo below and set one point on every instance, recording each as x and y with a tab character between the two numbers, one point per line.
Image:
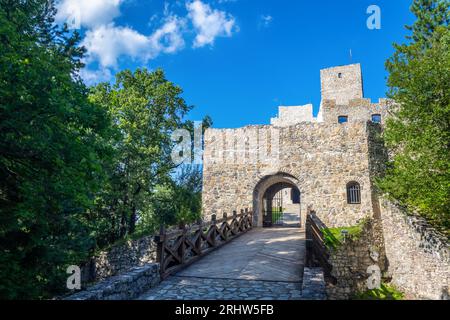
385	292
334	238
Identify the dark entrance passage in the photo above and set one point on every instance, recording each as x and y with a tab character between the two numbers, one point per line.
281	206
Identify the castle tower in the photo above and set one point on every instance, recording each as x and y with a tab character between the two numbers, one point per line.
342	83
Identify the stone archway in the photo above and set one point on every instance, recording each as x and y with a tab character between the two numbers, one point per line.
267	187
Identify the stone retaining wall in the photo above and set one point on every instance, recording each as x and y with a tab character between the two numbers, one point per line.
313	284
119	259
351	260
417	255
122	287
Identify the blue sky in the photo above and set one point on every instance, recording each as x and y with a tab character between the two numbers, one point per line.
237	60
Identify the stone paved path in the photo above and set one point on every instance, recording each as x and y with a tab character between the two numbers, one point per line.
263	264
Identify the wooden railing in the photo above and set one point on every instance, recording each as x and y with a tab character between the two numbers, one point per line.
317	253
179	248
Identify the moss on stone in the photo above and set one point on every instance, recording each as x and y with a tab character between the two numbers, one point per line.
385	292
333	237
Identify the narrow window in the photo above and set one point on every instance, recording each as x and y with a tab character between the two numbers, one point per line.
353	193
376	118
343	119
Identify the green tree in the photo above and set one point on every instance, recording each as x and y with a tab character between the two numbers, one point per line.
178	201
188	186
51	145
418	132
146	108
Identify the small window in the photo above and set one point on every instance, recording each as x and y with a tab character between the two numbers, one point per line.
353	193
376	118
342	119
339	75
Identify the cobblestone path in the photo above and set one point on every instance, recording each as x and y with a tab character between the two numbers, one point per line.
263	264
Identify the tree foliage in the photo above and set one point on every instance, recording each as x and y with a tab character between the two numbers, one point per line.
418	133
51	146
80	168
145	108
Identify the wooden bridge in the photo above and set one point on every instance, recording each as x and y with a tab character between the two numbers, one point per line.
255	263
180	248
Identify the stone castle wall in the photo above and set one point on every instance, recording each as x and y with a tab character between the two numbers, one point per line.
319	158
288	116
356	110
342	83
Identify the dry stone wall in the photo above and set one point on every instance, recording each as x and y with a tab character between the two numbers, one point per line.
119	259
126	286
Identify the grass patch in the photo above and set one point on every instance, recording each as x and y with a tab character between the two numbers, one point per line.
385	292
333	237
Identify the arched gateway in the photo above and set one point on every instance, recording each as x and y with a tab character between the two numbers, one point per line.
276	201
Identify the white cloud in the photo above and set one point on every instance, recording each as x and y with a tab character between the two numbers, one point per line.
90	13
169	37
265	20
209	23
91	77
107	43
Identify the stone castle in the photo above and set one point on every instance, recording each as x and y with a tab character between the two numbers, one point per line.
324	158
327	165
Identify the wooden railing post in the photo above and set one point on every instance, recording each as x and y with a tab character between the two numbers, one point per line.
249	218
161	242
199	234
225	226
182	249
173	246
214	229
242	223
234	223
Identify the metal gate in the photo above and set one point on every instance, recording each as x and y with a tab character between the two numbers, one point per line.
273	211
277	209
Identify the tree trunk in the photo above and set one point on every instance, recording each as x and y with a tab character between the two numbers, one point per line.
132	222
